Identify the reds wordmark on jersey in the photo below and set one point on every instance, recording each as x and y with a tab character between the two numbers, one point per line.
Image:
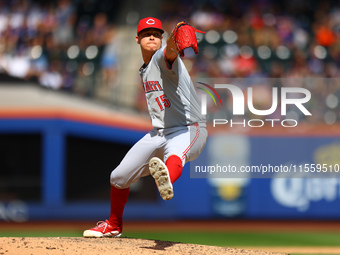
150	86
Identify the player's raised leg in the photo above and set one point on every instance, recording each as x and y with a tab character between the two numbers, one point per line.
160	173
175	167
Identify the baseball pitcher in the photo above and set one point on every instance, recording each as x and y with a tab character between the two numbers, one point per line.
179	130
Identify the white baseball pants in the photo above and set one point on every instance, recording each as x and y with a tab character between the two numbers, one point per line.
187	142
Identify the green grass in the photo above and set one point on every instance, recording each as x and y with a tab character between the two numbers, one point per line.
245	239
40	233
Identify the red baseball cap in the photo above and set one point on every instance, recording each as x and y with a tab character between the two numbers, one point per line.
149	22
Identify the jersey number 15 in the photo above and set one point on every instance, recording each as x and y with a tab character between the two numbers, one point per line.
162	102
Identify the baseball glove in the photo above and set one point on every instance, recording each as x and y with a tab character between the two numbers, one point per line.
185	37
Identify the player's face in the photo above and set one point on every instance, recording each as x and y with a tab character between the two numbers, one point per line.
150	39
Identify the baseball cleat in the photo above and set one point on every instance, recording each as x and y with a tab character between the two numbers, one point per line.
160	173
103	229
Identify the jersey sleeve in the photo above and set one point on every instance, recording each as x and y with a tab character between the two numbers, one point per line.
164	65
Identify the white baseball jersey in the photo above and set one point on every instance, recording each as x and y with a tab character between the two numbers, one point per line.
170	93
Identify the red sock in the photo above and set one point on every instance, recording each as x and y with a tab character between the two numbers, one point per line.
174	165
119	198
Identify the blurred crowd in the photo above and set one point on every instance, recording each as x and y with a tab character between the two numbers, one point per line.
59	44
267	38
64	46
268	42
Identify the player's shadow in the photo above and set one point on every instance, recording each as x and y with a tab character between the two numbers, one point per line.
161	245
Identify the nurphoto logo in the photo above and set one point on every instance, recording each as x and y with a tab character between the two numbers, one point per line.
238	105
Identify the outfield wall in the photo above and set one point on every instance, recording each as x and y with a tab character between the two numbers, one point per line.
286	195
56	158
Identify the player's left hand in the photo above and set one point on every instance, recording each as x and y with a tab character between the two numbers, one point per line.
185	37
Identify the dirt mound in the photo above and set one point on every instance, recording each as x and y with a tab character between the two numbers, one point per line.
79	245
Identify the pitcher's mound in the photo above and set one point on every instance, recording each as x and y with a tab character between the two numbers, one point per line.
100	246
